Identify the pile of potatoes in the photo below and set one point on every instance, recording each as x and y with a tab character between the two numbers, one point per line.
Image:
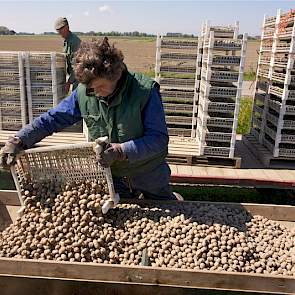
65	223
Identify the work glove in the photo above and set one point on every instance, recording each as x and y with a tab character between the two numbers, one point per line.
9	152
112	153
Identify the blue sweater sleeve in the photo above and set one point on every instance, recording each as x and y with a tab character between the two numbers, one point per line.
155	138
65	114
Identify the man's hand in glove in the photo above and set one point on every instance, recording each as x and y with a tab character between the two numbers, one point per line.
8	153
112	153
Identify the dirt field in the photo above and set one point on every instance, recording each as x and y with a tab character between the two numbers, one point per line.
139	52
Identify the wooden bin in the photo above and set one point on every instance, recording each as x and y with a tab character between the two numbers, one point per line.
28	276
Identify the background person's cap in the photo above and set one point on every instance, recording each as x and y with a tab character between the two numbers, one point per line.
60	22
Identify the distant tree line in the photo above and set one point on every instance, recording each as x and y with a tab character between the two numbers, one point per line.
112	33
6	31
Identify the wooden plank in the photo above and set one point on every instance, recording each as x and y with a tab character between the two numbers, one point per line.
173	168
184	170
272	174
37	286
199	171
243	174
147	275
230	173
9	197
286	175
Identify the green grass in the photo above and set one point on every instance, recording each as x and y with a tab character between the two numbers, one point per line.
249	76
150	73
244	120
236	194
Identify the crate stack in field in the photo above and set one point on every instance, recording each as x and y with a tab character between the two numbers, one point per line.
175	71
220	90
273	120
45	81
12	91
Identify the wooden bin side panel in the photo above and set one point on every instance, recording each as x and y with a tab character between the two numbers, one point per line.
147	276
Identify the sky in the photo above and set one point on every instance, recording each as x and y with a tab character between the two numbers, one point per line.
143	16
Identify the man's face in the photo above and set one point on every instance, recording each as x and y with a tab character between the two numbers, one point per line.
102	87
64	31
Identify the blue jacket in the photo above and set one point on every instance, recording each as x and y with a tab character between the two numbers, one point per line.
67	113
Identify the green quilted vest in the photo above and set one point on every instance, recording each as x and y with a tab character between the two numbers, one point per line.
121	120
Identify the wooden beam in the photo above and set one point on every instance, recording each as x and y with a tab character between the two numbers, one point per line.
274	212
9	197
147	276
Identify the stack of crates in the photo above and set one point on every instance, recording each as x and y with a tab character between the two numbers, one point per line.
12	91
273	119
45	81
220	89
175	71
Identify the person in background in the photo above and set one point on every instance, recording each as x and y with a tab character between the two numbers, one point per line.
71	45
114	102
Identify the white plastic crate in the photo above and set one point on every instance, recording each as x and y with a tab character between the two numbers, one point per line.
179	132
179	120
286	33
178	94
263	73
177	83
255	133
219	107
270	132
9	59
41	76
288	138
273	119
226	60
257	109
12	91
268	145
289	153
225	44
9	76
224	76
178	44
263	85
218	136
45	79
268	33
283	47
39	60
289	124
290	110
178	56
178	69
220	91
270	21
217	121
275	105
217	151
265	60
178	108
280	61
276	90
257	122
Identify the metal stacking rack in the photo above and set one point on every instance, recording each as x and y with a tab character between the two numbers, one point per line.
273	118
175	71
220	89
45	78
12	91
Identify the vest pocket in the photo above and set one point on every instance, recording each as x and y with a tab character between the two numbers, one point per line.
91	119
